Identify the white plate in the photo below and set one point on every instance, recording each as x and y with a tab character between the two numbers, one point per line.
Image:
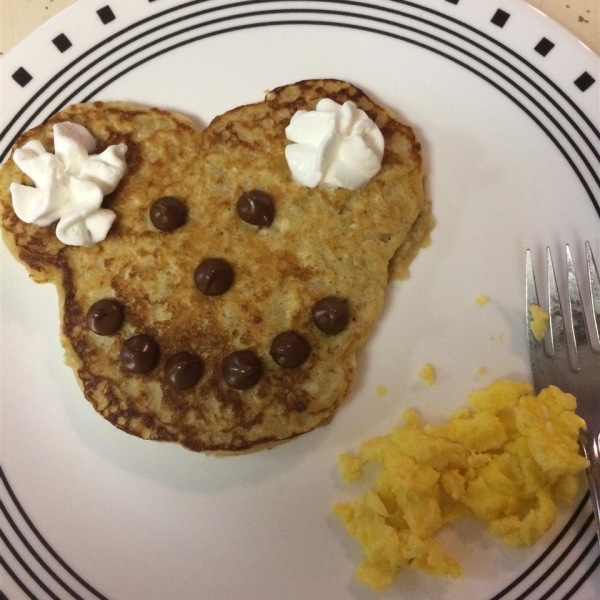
512	149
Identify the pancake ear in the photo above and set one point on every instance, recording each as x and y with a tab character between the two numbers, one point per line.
38	247
51	194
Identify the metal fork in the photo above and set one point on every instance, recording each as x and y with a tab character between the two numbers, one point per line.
571	364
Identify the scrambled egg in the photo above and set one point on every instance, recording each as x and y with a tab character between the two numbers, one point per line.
539	321
508	459
427	374
482	300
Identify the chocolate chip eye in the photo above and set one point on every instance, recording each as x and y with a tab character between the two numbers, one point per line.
289	349
241	370
331	315
168	213
105	317
140	354
183	370
256	207
214	276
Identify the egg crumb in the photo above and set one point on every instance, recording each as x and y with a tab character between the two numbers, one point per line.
427	374
481	371
482	300
381	390
507	458
539	321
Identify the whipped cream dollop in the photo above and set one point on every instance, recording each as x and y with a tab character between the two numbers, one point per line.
334	146
69	184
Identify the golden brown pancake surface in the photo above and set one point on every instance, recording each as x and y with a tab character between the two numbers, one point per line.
321	243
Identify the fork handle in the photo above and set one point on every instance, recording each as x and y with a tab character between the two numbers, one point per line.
591	450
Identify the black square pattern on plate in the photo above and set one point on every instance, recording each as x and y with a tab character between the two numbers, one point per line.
583	82
544	46
500	17
62	42
22	77
106	14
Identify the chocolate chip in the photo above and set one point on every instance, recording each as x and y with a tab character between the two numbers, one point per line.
289	349
168	213
213	276
139	353
331	315
105	317
256	207
183	370
241	370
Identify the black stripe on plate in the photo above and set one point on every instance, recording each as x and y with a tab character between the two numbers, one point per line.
583	579
35	555
592	171
527	78
513	53
360	28
195	2
65	69
557	562
547	551
14	577
564	113
46	545
27	568
503	61
568	572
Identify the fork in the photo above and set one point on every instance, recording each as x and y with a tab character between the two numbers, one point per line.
568	359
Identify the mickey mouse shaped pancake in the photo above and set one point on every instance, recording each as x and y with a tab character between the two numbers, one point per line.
226	305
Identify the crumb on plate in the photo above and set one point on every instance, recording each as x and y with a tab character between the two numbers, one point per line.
482	300
381	390
427	374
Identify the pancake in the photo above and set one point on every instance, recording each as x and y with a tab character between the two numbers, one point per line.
321	243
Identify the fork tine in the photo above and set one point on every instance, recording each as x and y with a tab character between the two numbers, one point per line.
530	298
537	353
556	326
578	324
594	286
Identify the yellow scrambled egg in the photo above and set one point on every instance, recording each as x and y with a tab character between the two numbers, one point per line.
539	321
427	374
508	459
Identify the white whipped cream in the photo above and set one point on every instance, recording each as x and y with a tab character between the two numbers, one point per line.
69	184
335	146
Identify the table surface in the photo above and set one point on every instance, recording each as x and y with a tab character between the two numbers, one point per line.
21	17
